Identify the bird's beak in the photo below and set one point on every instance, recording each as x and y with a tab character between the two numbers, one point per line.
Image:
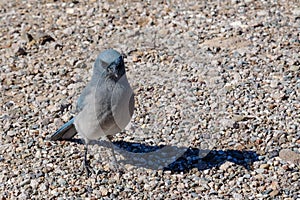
115	75
113	71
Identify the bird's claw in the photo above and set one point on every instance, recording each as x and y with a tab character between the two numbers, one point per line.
87	168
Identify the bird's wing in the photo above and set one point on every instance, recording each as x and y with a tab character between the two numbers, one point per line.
67	131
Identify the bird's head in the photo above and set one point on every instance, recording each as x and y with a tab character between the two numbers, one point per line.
111	64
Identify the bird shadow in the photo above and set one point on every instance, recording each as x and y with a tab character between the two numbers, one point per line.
177	159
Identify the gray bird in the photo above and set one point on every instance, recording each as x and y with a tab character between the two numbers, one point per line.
105	106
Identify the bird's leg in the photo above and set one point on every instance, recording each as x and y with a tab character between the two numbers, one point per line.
86	163
115	161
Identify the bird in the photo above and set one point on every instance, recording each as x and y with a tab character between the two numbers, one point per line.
105	106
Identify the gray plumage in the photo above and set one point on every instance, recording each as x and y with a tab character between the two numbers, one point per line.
106	104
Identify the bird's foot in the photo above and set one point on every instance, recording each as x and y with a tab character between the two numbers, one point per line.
87	168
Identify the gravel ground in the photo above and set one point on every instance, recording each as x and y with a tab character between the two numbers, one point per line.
217	98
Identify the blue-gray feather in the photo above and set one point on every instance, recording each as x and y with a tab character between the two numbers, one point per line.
67	131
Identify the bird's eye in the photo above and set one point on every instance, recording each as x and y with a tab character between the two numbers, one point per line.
104	64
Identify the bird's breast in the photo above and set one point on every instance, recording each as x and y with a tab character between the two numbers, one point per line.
108	109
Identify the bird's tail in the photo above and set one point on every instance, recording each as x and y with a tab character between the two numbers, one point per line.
67	131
